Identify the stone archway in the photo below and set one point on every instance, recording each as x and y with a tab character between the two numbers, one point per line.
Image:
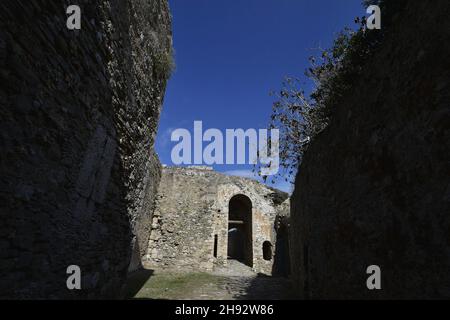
240	240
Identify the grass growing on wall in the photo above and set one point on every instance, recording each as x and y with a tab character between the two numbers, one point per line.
164	63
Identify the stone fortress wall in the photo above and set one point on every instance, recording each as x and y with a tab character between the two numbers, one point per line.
191	220
373	188
79	112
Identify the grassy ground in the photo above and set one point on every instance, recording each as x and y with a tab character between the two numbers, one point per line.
145	284
232	284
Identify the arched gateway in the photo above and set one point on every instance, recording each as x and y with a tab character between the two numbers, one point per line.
240	240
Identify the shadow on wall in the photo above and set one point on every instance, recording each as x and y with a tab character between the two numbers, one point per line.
136	259
373	188
66	191
281	264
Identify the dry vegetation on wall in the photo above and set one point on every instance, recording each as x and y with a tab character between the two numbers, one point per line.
301	116
373	187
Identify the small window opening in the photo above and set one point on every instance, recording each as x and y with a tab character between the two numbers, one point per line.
215	245
267	250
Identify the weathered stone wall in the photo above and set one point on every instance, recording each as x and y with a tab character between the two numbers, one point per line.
374	187
79	111
192	207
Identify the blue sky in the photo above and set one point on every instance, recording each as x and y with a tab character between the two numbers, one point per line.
230	54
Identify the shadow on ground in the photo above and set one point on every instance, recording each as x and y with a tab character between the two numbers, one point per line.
264	287
165	285
135	281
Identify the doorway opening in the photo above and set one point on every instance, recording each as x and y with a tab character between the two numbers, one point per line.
240	240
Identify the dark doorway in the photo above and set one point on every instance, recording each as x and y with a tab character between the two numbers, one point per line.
240	246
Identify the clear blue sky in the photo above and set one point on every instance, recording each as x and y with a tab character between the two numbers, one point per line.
230	54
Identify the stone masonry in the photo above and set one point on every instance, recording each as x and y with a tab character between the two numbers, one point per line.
192	210
79	112
374	187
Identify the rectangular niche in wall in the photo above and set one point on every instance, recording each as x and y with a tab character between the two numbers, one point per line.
215	245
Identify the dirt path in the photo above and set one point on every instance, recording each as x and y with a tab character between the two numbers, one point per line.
236	282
